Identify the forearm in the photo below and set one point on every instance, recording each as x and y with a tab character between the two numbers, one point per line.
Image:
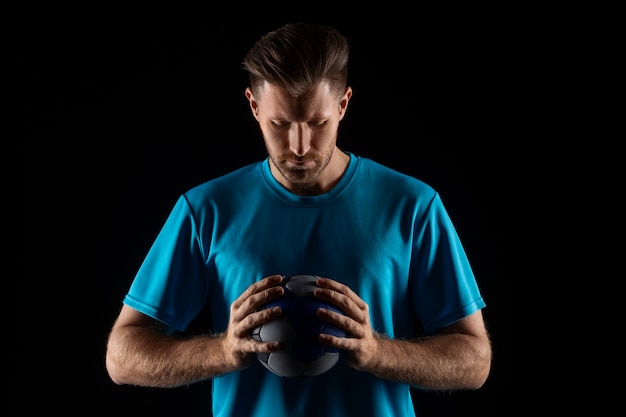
147	357
446	362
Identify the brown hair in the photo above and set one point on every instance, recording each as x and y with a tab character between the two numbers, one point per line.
297	56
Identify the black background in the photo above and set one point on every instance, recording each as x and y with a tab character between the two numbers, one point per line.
124	113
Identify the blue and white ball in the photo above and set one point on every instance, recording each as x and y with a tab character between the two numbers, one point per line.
298	327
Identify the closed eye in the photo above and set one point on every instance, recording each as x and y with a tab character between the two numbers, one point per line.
279	124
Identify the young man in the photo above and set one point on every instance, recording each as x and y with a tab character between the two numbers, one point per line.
381	242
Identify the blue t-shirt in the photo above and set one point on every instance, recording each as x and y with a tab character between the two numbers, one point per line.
384	234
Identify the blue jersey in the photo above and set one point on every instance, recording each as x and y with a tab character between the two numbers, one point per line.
384	234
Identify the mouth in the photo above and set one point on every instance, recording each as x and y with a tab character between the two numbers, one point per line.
298	163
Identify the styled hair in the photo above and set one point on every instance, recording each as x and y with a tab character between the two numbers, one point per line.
297	56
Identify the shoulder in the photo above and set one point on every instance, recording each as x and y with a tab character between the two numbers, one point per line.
229	181
391	179
240	179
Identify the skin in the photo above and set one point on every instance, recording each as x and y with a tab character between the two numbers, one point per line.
300	137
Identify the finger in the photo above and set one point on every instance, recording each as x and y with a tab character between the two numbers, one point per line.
254	346
342	289
347	304
256	295
260	286
343	343
336	286
250	345
254	303
253	320
345	322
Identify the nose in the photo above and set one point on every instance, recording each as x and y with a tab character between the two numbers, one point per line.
299	139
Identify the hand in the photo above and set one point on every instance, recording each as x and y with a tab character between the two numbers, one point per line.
360	348
244	317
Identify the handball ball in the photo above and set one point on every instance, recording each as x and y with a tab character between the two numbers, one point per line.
297	328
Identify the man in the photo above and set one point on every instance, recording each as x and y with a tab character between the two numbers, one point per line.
381	242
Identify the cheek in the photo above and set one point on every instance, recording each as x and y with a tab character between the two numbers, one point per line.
326	137
274	139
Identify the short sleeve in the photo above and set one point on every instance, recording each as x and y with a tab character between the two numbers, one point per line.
171	284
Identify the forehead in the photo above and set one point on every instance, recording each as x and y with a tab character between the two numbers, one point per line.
277	102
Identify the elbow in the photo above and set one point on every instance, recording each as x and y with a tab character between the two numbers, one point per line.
114	368
482	368
480	378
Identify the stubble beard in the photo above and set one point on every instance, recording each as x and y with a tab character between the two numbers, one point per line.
303	178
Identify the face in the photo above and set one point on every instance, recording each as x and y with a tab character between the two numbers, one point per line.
300	135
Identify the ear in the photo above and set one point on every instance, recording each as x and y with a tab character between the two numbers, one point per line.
254	106
343	104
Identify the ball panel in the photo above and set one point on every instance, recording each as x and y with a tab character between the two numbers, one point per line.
285	364
263	357
298	328
280	330
301	285
285	302
322	364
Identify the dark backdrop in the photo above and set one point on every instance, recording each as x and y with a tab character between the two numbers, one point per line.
124	114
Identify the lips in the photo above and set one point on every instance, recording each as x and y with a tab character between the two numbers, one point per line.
298	163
